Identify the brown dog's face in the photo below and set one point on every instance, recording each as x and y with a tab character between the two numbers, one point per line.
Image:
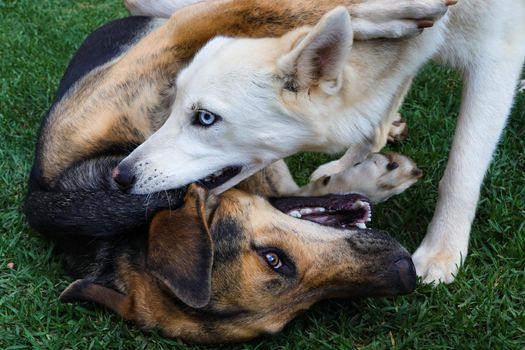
246	268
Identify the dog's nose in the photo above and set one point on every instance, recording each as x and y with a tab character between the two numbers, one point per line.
124	176
406	273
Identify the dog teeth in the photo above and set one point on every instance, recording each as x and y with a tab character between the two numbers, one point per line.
358	204
361	225
207	179
319	210
295	214
306	211
217	173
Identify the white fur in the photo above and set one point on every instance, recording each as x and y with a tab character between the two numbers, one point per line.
333	38
240	80
372	178
157	8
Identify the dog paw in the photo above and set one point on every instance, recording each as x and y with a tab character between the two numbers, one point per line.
521	86
398	130
396	19
436	267
327	169
379	177
387	176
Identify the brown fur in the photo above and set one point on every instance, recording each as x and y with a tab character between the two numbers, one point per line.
162	287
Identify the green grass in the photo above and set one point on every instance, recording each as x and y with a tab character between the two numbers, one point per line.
484	308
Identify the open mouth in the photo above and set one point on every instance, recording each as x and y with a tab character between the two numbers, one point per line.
220	177
335	210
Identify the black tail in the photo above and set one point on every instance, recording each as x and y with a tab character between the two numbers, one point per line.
57	214
86	202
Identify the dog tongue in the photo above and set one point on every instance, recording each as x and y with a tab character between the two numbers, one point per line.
341	211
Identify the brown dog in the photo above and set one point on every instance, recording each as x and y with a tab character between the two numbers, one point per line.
232	267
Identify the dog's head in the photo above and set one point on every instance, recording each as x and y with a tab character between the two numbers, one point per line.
233	267
244	103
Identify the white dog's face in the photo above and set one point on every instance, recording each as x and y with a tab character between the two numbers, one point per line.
243	104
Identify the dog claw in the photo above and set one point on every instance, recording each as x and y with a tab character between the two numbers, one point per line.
425	24
392	165
361	225
295	214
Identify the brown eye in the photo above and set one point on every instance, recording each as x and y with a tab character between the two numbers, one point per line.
273	260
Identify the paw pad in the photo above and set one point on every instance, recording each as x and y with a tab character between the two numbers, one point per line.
392	165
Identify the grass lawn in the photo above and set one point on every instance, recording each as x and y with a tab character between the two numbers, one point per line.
484	308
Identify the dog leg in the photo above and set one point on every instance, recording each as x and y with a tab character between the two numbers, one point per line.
379	177
352	156
394	127
84	290
395	19
157	8
371	19
489	88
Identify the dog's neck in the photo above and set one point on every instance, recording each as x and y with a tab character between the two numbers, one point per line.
374	74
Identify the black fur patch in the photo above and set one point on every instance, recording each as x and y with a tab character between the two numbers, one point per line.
227	235
101	46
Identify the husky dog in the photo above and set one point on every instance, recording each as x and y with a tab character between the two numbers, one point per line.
245	103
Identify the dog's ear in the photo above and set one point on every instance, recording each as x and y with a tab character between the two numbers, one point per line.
180	251
85	290
320	56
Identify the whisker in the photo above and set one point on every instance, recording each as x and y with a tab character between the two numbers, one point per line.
168	198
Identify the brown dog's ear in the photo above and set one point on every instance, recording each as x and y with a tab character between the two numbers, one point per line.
180	252
85	290
320	57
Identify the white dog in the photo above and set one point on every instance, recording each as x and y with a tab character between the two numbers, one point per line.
245	103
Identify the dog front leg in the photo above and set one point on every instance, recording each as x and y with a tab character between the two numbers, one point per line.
157	8
489	87
85	290
393	127
371	19
352	156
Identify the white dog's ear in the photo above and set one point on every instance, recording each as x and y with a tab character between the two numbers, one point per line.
320	56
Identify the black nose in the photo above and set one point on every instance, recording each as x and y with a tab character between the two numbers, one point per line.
124	176
406	273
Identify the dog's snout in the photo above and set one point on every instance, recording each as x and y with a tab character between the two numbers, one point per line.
372	242
407	274
393	270
124	176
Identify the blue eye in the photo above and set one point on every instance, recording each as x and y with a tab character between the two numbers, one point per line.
205	118
273	260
